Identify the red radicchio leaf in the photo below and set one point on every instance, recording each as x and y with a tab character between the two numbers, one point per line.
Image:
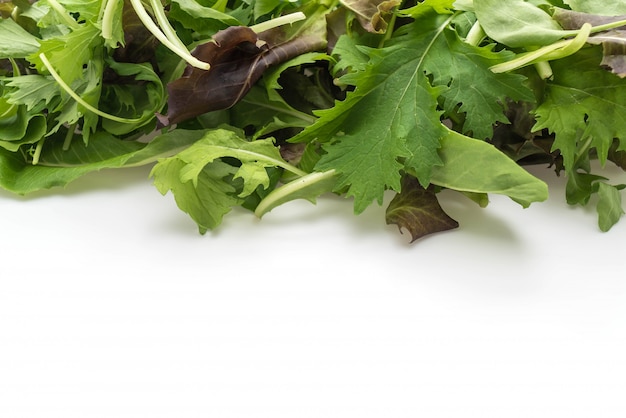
238	57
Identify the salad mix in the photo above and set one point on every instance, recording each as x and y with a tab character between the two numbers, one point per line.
254	103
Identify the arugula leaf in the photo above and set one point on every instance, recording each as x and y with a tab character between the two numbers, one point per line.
69	53
20	128
202	19
35	91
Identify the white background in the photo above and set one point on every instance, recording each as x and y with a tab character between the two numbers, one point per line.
112	305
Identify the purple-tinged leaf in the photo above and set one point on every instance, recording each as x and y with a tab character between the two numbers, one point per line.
238	58
417	210
613	41
373	15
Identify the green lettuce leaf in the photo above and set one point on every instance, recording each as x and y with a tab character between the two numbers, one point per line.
15	41
58	167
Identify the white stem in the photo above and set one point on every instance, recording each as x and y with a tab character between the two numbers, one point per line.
79	99
154	29
279	21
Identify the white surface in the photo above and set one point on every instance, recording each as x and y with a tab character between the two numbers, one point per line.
111	305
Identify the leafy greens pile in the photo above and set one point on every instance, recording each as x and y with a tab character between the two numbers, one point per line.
254	103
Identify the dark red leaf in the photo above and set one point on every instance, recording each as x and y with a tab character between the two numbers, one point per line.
238	58
418	211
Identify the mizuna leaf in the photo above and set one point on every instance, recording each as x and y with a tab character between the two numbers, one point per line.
417	210
391	121
70	53
585	106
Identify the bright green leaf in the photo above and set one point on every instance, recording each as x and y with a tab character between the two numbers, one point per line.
470	165
16	42
609	206
517	23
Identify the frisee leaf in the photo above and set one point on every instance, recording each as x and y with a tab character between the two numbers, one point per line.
204	185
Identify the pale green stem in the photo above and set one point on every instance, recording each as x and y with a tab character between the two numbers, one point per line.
107	19
173	46
388	31
164	23
68	137
476	34
607	26
290	188
15	67
37	153
277	163
544	69
557	50
583	150
79	99
64	14
279	21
